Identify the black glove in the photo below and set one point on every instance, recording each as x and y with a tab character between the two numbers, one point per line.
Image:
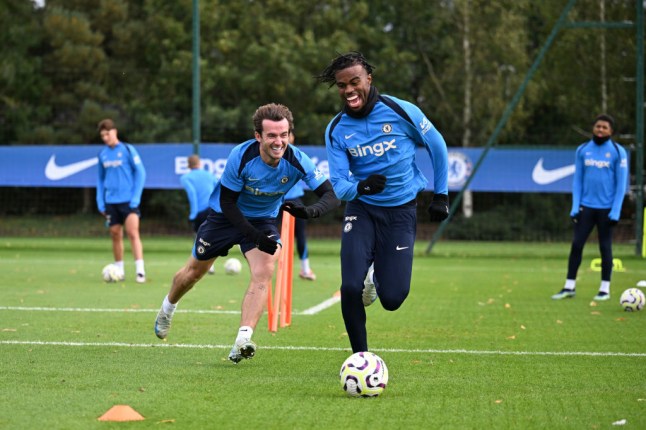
264	243
613	222
299	211
439	208
373	184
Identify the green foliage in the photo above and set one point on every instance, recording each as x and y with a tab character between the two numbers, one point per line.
69	64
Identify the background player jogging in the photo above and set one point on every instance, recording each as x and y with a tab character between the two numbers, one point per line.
371	154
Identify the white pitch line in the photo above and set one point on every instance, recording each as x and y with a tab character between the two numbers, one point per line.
309	311
315	348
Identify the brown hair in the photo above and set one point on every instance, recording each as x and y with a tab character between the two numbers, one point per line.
194	161
106	124
272	112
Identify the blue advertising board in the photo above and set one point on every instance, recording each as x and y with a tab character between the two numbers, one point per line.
503	170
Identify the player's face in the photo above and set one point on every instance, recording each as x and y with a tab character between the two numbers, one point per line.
273	140
602	129
109	137
353	84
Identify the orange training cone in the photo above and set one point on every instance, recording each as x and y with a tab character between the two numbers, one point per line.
121	413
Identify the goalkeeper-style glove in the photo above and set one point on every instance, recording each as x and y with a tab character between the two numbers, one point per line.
439	208
373	184
300	211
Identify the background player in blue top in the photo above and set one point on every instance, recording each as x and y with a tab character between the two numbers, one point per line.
598	190
244	206
118	194
198	184
371	155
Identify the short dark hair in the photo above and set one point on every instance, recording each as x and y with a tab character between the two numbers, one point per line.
106	124
273	112
605	117
343	61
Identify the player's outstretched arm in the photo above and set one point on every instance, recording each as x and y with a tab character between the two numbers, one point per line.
326	202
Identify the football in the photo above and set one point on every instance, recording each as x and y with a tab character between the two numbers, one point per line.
364	374
632	299
232	266
111	273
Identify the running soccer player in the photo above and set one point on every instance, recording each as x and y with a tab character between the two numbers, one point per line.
244	206
371	155
118	194
598	190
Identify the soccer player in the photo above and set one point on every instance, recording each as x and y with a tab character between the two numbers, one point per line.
244	206
198	184
118	194
371	154
600	175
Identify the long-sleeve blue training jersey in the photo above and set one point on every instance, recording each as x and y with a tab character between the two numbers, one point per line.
121	176
600	176
383	142
199	185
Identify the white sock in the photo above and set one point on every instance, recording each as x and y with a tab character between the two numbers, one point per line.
167	306
605	287
305	265
119	264
245	332
139	267
570	284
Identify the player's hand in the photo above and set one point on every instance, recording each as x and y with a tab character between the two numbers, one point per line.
439	208
373	184
299	211
613	222
265	244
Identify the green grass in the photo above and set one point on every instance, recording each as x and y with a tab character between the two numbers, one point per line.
478	344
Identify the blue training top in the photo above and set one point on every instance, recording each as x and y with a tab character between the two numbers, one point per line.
296	192
199	185
262	187
600	176
121	176
383	142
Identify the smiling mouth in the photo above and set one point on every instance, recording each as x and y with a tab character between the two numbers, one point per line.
353	101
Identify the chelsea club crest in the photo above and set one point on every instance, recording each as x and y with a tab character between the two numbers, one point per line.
460	167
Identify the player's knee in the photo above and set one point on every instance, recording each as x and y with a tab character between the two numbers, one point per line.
392	303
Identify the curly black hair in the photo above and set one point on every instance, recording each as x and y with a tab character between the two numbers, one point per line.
343	61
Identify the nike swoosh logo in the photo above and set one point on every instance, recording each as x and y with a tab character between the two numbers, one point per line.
399	248
348	136
271	235
54	172
544	177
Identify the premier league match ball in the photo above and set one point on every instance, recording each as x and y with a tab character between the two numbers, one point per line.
111	273
364	374
632	300
232	266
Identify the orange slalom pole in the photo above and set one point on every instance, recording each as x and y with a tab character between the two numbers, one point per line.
288	257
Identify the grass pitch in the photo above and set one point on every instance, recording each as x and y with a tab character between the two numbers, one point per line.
478	344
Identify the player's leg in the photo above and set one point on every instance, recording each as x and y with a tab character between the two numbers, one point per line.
214	238
604	231
261	267
184	279
396	229
583	226
301	247
357	253
132	231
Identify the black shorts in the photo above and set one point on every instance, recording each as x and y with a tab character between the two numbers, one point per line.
116	213
216	236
